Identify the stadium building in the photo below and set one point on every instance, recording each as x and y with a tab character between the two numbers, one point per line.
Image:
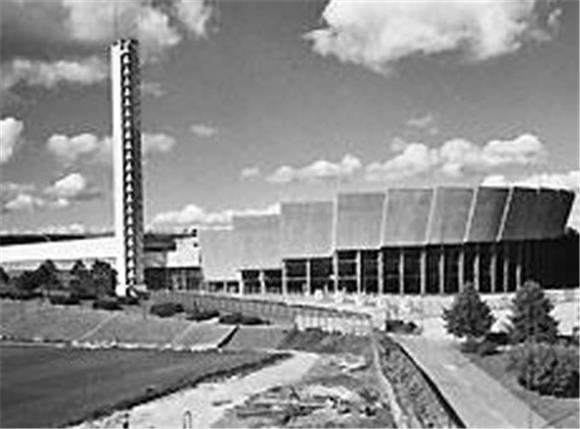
401	241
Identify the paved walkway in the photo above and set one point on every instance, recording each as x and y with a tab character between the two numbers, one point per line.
478	399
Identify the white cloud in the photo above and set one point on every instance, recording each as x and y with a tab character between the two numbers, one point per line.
24	201
90	147
203	130
73	186
319	170
154	89
195	15
157	25
425	122
157	143
192	214
569	180
250	172
10	136
45	74
456	156
377	34
415	159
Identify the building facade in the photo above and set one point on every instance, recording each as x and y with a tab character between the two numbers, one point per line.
403	241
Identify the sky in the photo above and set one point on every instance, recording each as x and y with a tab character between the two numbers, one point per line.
249	103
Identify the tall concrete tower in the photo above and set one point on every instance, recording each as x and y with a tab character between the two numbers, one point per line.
128	188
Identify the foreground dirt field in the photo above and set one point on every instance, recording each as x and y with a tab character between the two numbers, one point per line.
48	386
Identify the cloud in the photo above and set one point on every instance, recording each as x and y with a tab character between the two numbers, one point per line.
250	172
569	180
203	130
23	201
10	136
46	74
456	156
73	186
156	24
192	214
415	159
157	143
154	89
425	122
319	170
378	34
90	147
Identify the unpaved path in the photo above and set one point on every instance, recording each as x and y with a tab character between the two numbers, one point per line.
208	401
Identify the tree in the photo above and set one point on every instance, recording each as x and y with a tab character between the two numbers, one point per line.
81	283
4	277
530	318
46	275
468	316
104	278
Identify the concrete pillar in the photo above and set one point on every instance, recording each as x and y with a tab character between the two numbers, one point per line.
492	268
401	271
242	287
506	260
519	263
441	270
380	277
476	283
423	271
460	268
309	290
358	272
335	270
262	283
284	280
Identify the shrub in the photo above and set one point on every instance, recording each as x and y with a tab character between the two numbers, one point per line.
166	309
546	368
400	326
486	348
240	319
531	319
64	300
20	294
199	315
110	304
128	300
498	338
468	316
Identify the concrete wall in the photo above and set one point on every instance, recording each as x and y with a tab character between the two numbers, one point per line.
486	215
219	254
449	215
359	220
406	217
306	229
258	238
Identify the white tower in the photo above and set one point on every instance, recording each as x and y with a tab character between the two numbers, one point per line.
128	189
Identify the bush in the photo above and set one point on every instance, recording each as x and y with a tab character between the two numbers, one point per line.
468	316
531	319
240	319
128	300
110	304
401	327
546	368
199	315
498	338
64	300
486	348
166	309
20	294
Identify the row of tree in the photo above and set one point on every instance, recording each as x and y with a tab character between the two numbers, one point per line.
96	281
470	317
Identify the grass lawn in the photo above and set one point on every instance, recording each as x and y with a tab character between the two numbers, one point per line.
558	412
47	386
